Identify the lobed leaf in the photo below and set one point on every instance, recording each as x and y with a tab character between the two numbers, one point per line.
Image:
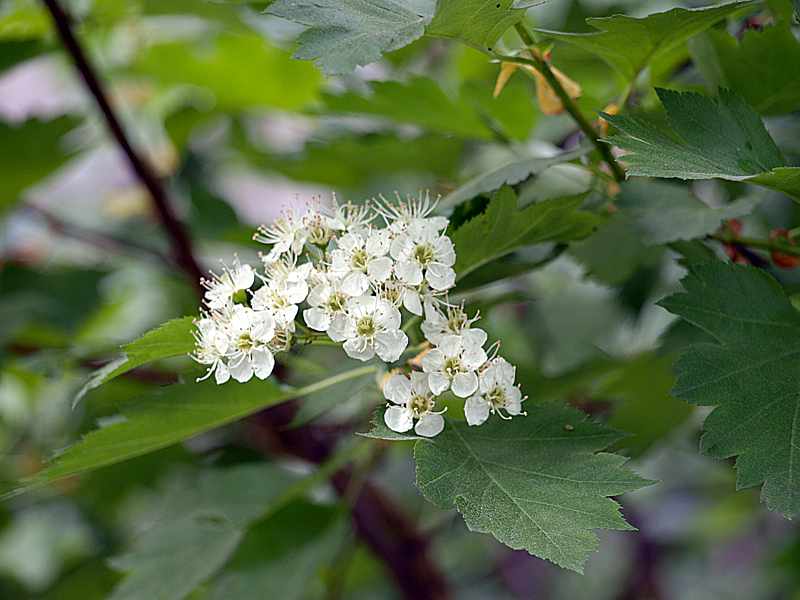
629	44
708	138
750	375
536	483
478	23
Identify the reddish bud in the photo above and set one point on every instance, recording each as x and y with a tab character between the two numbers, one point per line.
781	259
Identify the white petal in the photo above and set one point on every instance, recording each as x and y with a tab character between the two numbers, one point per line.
412	303
429	425
419	383
473	357
264	329
474	337
433	361
399	246
397	389
263	363
440	277
243	277
513	401
476	410
355	283
317	319
398	419
465	384
389	345
319	294
379	269
341	328
221	373
378	243
408	272
241	369
445	253
350	241
387	315
438	382
450	345
356	348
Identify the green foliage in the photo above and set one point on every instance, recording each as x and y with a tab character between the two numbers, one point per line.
24	162
748	375
228	66
508	174
173	338
708	137
764	66
630	44
503	228
665	212
536	483
167	417
478	23
344	34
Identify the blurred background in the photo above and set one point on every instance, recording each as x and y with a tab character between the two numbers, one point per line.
237	130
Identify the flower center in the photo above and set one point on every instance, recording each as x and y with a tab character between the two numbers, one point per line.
452	366
239	297
497	397
245	343
281	341
420	405
359	260
365	327
336	302
423	254
456	321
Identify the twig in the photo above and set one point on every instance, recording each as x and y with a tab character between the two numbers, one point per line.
179	239
767	245
99	239
571	107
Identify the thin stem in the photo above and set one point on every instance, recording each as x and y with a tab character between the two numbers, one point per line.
179	239
570	106
768	245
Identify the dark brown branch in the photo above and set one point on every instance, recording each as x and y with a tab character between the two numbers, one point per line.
179	240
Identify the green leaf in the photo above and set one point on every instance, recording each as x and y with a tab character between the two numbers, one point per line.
169	416
24	163
284	555
535	483
201	521
478	23
420	101
629	44
504	228
173	338
665	212
708	138
750	375
242	71
344	34
508	174
764	66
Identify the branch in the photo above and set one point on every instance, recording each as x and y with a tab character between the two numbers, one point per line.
179	240
571	107
775	245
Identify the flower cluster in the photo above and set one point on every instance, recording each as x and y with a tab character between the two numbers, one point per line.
355	280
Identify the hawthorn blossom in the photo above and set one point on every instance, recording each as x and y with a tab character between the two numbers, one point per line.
452	365
211	347
496	394
412	399
229	286
411	211
360	259
286	286
250	331
349	216
326	300
369	325
454	321
423	254
287	233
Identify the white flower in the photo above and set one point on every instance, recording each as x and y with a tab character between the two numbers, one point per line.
249	333
360	259
229	286
349	216
286	286
452	365
423	254
326	300
497	394
368	326
411	211
453	322
287	233
412	399
211	347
